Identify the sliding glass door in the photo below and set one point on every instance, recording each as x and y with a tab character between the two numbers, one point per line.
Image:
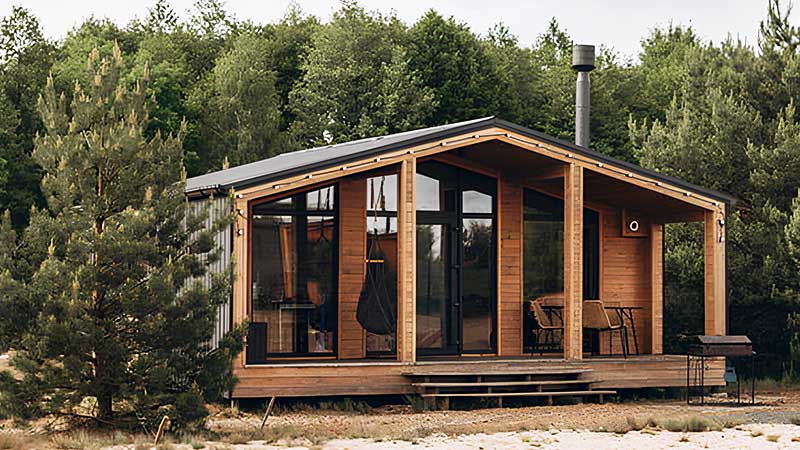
456	253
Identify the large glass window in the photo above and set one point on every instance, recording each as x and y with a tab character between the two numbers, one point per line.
382	265
543	254
293	274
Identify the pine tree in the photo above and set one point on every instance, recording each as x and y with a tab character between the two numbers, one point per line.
108	312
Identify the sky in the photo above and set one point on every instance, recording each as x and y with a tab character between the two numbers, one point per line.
620	24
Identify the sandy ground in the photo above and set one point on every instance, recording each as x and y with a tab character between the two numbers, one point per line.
762	436
773	437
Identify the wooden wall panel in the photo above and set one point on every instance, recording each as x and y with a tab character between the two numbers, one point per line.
352	255
510	269
626	275
573	262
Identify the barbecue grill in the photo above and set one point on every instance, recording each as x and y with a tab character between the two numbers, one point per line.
706	347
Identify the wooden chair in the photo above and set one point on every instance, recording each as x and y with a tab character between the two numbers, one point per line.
596	318
548	325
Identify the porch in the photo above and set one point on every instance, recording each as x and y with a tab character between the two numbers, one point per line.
309	378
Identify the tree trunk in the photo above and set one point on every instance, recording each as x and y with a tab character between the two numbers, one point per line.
104	401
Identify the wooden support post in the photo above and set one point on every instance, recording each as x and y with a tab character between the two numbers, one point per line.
509	274
407	269
656	288
269	410
241	236
162	428
573	262
714	253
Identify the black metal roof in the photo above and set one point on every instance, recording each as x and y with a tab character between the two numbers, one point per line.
304	161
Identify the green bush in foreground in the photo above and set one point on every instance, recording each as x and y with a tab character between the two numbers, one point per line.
101	301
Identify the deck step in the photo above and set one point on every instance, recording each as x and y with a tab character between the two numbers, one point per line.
501	383
522	394
479	371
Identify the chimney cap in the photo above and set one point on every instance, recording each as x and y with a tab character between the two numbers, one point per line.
583	58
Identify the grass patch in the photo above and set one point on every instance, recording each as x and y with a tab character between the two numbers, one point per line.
13	441
774	384
773	437
637	424
275	433
689	424
756	434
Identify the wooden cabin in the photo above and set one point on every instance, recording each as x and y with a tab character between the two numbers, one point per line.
375	266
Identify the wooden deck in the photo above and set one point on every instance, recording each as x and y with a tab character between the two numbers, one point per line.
372	377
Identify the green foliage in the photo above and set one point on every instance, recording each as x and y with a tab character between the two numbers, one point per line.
454	63
107	318
357	82
25	59
244	120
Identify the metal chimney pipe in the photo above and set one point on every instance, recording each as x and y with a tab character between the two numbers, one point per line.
583	63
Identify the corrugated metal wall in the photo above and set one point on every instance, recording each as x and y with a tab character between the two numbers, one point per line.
218	207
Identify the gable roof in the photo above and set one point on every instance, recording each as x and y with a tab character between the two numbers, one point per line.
299	162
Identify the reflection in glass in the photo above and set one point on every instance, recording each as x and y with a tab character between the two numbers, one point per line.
477	202
433	287
543	253
293	262
437	185
543	246
320	200
478	279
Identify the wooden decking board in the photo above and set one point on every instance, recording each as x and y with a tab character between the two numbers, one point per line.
496	372
504	383
525	394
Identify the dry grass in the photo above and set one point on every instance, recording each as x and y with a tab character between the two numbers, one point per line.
773	438
691	424
13	441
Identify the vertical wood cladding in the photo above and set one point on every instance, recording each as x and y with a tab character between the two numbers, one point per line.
352	254
510	269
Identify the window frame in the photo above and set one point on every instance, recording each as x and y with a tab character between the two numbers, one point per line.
295	211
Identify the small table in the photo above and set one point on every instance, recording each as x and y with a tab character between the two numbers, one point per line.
626	312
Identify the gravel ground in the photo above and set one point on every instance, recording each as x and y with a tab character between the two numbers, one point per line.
400	422
628	424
